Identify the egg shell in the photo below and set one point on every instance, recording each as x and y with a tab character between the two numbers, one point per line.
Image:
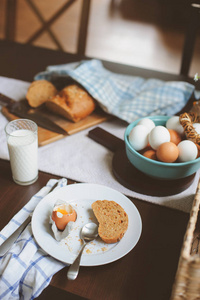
174	123
187	151
147	123
167	152
196	127
61	218
138	137
157	136
175	137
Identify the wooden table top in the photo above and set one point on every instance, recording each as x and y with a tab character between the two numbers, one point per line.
148	271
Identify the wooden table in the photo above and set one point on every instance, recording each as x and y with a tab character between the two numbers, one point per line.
148	271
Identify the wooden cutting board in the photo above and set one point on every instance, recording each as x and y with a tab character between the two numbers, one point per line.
46	137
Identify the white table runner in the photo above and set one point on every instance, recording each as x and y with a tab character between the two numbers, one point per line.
79	158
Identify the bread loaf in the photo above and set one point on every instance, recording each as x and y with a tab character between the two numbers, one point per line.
72	102
39	92
113	220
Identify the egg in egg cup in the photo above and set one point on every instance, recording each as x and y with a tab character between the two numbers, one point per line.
62	219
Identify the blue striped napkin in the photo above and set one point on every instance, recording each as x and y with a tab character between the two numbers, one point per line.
25	269
127	97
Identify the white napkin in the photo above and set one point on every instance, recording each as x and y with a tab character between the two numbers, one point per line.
25	269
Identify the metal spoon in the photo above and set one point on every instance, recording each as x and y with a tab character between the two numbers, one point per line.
88	233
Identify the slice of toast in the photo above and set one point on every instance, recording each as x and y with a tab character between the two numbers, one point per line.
113	220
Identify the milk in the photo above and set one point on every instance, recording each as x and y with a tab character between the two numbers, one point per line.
23	149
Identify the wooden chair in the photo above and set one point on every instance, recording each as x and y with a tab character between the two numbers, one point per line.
189	43
11	6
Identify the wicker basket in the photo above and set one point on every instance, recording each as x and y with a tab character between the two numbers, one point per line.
187	280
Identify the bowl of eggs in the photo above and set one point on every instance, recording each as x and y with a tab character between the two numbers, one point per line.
158	147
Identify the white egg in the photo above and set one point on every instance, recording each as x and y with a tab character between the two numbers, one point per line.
138	137
158	135
197	127
187	151
174	123
147	123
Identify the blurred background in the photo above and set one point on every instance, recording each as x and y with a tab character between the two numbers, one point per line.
143	33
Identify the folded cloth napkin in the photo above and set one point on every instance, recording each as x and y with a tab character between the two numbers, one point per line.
25	269
127	97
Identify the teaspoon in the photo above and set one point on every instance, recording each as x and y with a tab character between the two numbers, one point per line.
88	233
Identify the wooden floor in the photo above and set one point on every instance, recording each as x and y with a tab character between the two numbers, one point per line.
147	33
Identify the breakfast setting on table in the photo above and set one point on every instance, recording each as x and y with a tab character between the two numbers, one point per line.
116	136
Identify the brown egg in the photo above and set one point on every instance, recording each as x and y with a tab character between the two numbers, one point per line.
148	147
151	154
62	215
175	137
198	148
167	152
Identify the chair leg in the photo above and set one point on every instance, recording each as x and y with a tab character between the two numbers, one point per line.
10	25
83	27
188	48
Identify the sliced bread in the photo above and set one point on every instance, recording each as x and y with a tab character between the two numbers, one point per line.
113	220
39	92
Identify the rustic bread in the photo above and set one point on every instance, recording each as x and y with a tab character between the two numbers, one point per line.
39	92
113	220
72	102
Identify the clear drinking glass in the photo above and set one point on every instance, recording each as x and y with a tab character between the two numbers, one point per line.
22	141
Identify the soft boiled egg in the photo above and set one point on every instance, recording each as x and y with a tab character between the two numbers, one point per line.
63	214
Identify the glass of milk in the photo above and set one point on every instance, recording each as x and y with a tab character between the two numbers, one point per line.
22	141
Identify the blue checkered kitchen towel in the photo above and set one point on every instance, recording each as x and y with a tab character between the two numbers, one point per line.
127	97
25	269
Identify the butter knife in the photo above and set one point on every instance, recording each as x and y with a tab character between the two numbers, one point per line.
12	238
7	244
23	110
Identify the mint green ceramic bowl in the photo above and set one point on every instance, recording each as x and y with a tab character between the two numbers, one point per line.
154	168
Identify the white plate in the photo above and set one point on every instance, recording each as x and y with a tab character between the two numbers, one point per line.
82	196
